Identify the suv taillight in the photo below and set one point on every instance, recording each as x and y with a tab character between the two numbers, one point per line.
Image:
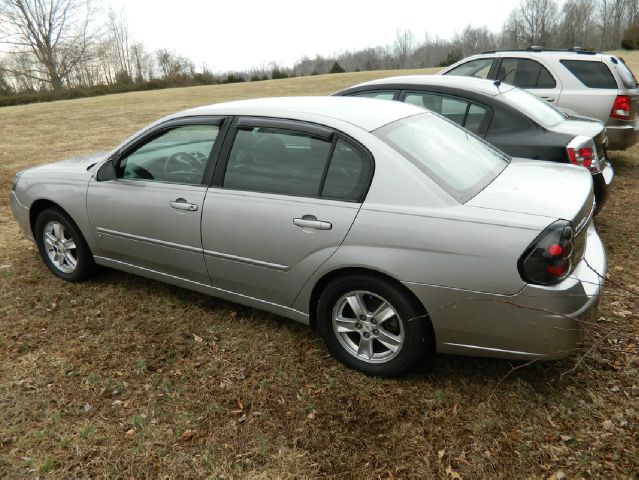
548	259
582	152
621	108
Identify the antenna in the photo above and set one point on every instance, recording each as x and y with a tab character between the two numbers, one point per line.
497	82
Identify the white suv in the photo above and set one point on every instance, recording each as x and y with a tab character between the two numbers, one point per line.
590	84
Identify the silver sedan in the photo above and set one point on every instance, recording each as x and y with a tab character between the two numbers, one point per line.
390	229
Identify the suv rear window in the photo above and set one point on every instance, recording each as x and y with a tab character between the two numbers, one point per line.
627	77
591	74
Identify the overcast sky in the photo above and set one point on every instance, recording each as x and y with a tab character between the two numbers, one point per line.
236	35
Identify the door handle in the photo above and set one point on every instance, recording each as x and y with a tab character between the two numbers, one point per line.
182	204
550	99
311	221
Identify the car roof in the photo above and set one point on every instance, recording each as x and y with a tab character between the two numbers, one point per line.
368	114
477	85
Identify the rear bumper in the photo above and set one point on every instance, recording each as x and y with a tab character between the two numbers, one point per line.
536	323
21	214
621	137
601	185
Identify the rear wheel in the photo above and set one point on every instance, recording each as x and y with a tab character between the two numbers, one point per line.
62	246
371	325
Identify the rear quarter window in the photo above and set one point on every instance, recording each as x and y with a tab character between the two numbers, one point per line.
627	77
592	74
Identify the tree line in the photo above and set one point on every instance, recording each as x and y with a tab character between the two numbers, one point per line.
65	48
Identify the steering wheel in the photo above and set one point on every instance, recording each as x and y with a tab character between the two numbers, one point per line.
182	163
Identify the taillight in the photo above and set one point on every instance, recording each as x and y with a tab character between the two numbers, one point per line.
582	152
621	108
548	259
581	156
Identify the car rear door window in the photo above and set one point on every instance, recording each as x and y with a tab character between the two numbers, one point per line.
380	95
276	160
297	163
591	74
452	108
525	73
179	155
348	173
462	112
475	68
475	119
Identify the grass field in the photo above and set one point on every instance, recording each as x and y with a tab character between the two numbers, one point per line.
129	378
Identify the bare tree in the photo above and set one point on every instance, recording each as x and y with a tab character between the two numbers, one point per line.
577	24
174	67
5	85
119	33
56	33
474	40
538	18
403	47
142	62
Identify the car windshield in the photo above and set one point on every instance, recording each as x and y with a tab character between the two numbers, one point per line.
456	159
534	107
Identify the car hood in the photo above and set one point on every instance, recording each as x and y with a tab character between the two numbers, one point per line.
72	165
580	126
540	188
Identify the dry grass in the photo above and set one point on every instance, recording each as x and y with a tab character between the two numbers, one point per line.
126	377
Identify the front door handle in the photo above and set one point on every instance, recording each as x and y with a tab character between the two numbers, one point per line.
182	204
311	221
550	99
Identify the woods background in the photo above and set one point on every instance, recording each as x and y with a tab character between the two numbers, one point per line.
51	49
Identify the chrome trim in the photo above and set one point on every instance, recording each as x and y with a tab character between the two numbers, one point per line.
186	248
585	221
201	285
487	349
248	261
152	241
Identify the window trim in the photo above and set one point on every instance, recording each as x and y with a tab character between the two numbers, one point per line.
543	65
361	93
298	126
157	131
486	122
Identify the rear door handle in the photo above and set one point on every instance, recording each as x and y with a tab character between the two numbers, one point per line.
550	99
311	221
182	204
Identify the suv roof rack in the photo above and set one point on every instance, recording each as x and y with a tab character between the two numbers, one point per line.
535	48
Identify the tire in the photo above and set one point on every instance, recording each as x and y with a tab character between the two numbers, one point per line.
64	242
383	345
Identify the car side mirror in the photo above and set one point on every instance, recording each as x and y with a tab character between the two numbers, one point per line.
106	172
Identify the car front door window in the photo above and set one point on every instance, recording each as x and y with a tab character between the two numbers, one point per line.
178	155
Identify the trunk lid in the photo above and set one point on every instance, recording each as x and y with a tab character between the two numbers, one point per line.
556	191
588	127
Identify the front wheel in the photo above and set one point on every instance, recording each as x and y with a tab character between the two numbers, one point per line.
372	325
62	246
